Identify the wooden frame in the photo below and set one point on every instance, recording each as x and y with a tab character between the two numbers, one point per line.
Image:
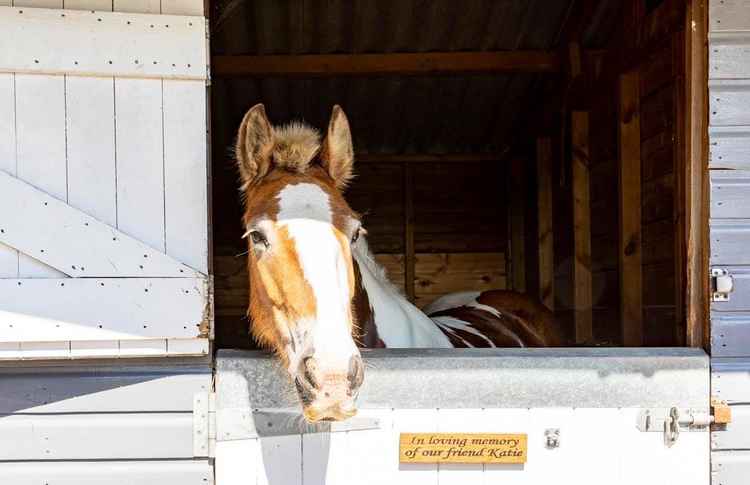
582	284
695	195
323	65
545	232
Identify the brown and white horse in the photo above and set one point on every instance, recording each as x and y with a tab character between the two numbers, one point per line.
316	292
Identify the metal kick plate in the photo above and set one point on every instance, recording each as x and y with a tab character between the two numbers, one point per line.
241	424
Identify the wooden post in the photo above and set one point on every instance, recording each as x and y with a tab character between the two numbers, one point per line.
545	235
517	194
582	300
696	174
409	263
631	298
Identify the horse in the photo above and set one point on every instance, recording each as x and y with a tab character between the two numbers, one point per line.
317	295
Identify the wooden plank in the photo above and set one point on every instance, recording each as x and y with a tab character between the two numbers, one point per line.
326	65
40	149
545	229
281	457
730	335
373	449
460	421
730	194
8	255
409	270
51	231
728	97
101	5
236	463
582	297
39	3
696	178
156	472
112	309
730	55
729	241
731	466
137	6
143	348
85	389
414	421
89	436
461	158
631	316
729	147
730	380
733	435
517	216
90	128
679	162
182	7
104	44
140	160
185	173
729	15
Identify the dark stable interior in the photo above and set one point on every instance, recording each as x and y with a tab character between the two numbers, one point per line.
453	156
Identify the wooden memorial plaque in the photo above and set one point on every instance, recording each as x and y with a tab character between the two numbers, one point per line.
462	448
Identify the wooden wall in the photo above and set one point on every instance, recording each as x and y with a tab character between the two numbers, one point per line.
654	52
459	232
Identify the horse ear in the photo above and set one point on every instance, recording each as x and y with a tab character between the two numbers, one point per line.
337	153
254	148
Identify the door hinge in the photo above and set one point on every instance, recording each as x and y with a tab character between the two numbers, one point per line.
204	424
721	413
672	421
722	284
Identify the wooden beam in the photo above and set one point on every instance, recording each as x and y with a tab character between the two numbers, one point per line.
582	299
545	234
631	298
409	263
696	174
325	65
517	205
429	157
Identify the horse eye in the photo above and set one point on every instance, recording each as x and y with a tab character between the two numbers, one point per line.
258	238
356	235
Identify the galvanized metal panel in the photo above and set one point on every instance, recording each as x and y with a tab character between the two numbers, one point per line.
157	472
734	435
730	379
103	389
730	467
474	378
730	335
728	99
95	43
96	436
728	15
729	147
730	240
730	55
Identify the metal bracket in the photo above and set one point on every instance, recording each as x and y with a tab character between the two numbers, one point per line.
672	421
722	284
204	424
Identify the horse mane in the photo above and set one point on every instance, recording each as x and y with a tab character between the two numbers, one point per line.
295	146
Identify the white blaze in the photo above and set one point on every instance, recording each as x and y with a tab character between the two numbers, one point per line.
305	211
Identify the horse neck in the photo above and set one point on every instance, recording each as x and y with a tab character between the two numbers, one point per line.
397	321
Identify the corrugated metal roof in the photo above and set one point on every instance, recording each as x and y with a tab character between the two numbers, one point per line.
448	114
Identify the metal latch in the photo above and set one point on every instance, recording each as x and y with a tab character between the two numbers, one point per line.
672	421
722	284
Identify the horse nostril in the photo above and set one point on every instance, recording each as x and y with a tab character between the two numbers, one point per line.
356	372
309	371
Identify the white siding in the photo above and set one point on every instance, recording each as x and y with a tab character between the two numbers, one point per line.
729	142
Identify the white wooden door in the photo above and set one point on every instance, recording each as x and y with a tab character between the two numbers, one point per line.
103	179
